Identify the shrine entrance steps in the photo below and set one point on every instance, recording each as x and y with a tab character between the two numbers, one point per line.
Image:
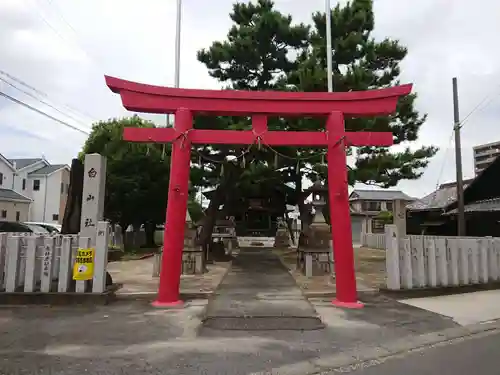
258	293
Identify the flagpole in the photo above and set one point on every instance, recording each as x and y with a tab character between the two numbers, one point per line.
177	72
178	43
329	56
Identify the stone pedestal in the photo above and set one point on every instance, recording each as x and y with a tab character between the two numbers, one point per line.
315	255
282	238
193	259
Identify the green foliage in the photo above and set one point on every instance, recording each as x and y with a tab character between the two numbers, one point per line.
385	216
137	174
195	210
264	50
257	55
362	63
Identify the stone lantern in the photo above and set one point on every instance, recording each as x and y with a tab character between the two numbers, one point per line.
320	231
319	192
315	252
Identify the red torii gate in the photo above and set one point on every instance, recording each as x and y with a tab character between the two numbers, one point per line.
188	102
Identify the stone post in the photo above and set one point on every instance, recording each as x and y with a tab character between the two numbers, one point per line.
392	243
94	185
400	216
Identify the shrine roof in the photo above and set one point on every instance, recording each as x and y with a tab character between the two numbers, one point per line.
485	187
487	205
379	195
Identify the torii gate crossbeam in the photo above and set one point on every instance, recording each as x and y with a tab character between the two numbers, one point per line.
186	103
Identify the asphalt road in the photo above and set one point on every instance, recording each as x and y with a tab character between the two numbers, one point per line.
476	355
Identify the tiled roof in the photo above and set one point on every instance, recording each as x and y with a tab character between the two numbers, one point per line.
439	199
379	195
48	169
487	205
21	163
8	194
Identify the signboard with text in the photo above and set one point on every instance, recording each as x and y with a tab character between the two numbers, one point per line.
83	268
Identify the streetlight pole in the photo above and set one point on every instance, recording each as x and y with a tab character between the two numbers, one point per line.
329	56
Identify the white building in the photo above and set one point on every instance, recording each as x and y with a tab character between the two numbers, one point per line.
44	184
484	155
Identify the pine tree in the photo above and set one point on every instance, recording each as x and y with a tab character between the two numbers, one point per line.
258	54
362	63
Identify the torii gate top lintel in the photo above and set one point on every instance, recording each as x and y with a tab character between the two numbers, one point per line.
141	97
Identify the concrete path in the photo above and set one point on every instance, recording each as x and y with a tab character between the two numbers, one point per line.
129	337
466	308
258	293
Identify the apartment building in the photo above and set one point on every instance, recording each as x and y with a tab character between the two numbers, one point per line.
42	184
484	155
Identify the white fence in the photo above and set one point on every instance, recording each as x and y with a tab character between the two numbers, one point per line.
432	261
35	263
373	240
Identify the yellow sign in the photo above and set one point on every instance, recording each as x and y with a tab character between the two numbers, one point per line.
84	264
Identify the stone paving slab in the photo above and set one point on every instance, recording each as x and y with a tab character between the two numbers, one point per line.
258	293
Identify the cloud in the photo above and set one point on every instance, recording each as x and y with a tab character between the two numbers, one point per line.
64	48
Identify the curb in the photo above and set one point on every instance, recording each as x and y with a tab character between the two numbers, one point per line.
370	355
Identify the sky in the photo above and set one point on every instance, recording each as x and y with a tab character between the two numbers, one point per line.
63	48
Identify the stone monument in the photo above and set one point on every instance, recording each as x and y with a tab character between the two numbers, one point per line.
193	259
94	186
283	238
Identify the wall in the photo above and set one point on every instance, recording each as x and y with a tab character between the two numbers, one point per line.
18	184
23	174
38	205
63	199
53	199
12	208
8	175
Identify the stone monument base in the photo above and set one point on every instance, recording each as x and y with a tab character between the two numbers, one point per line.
193	262
282	238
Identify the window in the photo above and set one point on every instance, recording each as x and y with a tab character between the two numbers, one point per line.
18	215
389	206
1	179
62	187
378	226
36	185
4	214
24	184
371	206
55	217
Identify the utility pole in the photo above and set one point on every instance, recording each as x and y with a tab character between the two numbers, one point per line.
458	162
329	62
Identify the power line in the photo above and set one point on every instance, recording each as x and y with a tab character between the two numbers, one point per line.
487	99
17	101
41	101
61	16
75	39
45	95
